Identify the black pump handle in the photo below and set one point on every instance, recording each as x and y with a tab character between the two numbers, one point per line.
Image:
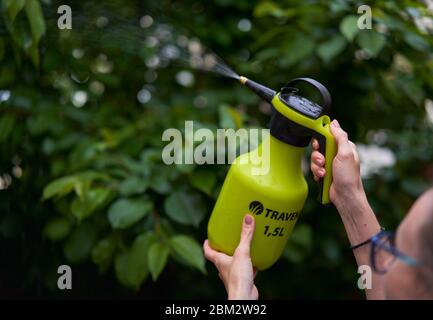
326	96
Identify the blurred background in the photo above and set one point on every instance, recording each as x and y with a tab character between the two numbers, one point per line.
82	112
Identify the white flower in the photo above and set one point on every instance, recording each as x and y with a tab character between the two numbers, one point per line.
374	158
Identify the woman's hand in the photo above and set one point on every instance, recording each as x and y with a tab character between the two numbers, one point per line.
348	195
346	178
237	272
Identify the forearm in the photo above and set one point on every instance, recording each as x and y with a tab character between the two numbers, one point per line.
361	224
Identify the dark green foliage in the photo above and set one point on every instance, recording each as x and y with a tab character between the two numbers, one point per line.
86	184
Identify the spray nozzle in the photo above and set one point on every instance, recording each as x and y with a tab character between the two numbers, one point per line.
262	91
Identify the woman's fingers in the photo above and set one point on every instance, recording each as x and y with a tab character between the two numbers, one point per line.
318	171
255	271
317	164
318	158
247	234
209	253
213	255
344	149
355	152
315	144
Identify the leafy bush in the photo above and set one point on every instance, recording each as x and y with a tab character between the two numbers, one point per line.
81	155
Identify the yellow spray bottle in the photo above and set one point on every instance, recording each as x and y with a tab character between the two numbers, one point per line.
275	198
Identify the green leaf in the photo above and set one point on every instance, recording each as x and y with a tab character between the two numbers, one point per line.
130	164
132	266
189	250
57	229
160	184
133	185
269	8
184	168
36	19
13	7
185	208
125	212
160	178
20	34
167	227
330	49
33	53
59	187
349	27
79	182
150	156
91	175
371	41
203	180
79	245
81	187
416	41
229	117
96	198
267	54
300	47
38	29
103	252
157	259
121	268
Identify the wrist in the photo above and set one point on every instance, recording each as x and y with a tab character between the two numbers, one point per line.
351	201
358	218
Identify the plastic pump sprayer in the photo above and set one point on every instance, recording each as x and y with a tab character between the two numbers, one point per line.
276	198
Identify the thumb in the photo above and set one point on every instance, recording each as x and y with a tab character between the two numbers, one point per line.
247	233
342	140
